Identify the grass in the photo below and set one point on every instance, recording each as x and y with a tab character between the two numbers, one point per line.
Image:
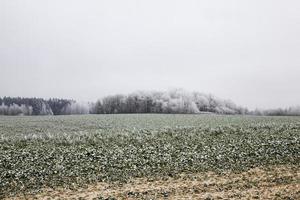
71	151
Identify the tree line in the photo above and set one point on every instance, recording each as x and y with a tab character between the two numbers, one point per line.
39	106
172	101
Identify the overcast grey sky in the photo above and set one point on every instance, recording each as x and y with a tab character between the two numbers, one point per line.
244	50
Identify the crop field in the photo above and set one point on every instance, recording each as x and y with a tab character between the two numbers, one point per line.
149	156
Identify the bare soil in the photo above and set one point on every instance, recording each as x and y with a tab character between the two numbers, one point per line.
280	182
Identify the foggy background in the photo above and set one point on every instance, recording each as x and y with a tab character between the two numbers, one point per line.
247	51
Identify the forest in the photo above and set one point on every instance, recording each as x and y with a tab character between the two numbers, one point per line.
176	101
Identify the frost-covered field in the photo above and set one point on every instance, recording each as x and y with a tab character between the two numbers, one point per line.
72	151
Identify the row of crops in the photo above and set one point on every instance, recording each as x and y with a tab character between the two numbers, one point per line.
71	151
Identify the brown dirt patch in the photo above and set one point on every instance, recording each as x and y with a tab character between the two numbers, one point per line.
280	182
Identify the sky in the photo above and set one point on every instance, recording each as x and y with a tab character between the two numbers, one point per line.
244	50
